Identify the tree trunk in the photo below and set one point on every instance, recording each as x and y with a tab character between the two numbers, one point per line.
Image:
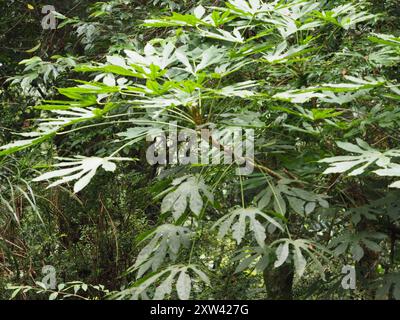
279	282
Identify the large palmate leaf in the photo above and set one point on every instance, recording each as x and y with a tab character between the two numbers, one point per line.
148	65
345	16
186	191
79	168
355	243
331	92
254	258
167	239
38	137
239	89
48	127
278	196
300	247
162	283
244	216
359	163
283	54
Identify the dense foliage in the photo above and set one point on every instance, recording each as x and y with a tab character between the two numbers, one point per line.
315	81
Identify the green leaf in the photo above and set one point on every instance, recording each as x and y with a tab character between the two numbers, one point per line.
184	286
53	296
165	239
367	156
78	168
282	253
299	261
239	227
188	192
